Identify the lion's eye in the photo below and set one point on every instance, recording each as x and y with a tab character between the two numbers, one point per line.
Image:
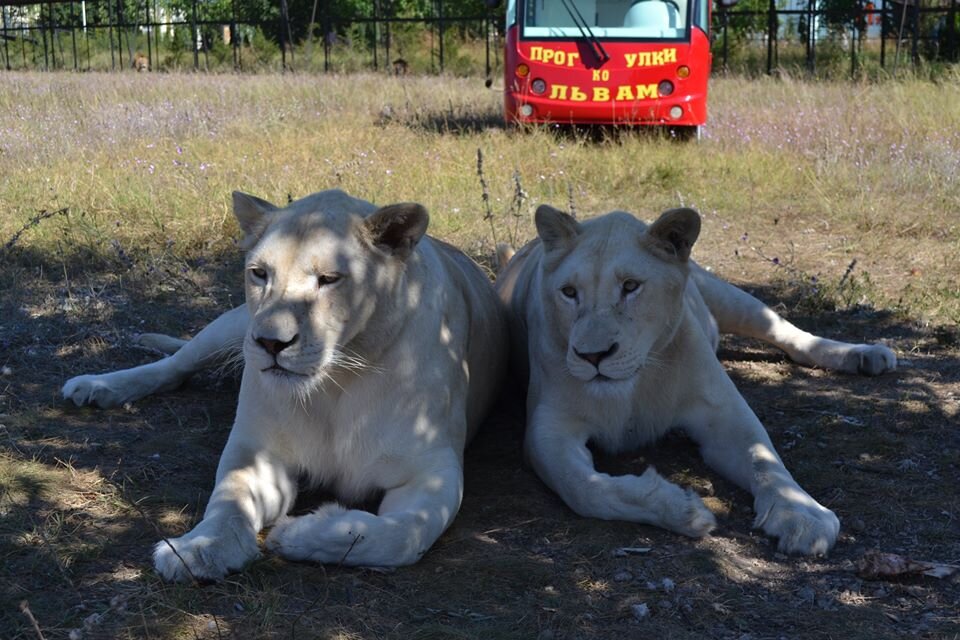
326	279
569	292
258	273
629	286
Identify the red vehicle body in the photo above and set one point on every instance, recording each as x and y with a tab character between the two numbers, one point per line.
635	62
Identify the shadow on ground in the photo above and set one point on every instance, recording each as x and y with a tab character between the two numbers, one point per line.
86	493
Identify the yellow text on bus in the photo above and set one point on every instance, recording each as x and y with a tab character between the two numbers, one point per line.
624	92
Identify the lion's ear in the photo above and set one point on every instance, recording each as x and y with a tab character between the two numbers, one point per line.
397	228
556	228
253	214
674	233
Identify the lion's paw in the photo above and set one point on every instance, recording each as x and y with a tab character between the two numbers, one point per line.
325	535
693	519
204	556
802	526
96	390
874	359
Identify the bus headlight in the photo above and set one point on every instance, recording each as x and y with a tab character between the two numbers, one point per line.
676	112
526	110
539	86
665	88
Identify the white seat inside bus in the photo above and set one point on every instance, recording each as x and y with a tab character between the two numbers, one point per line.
651	14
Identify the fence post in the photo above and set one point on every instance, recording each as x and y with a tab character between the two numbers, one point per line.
121	23
376	34
440	25
234	36
772	25
853	49
150	28
193	37
6	48
156	31
73	32
327	28
953	46
883	34
915	45
724	22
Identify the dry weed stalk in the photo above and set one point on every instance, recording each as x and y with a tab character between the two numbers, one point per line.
485	196
31	223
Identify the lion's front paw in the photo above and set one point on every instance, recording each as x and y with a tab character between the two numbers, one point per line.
93	390
326	535
204	554
872	360
691	517
802	525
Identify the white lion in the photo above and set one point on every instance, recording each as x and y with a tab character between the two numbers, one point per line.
371	353
619	330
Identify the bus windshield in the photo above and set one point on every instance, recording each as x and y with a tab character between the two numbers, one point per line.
608	19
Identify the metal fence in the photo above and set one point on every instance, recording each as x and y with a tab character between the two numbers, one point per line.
887	34
60	34
64	34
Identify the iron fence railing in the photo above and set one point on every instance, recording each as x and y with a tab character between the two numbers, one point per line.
57	34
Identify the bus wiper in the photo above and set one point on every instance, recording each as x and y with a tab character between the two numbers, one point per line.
585	31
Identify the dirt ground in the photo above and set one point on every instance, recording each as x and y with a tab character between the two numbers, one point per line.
86	493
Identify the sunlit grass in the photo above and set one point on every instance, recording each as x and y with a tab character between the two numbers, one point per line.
792	177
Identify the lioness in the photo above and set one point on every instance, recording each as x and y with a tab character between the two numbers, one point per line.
371	353
620	342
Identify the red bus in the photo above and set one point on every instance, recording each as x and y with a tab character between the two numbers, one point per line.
631	62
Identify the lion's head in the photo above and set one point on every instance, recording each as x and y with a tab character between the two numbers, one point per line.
323	283
615	290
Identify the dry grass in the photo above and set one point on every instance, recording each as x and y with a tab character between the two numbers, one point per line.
795	181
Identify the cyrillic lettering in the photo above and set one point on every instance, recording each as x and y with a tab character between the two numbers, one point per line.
601	94
645	91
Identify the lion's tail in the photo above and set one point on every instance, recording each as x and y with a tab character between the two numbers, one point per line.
504	252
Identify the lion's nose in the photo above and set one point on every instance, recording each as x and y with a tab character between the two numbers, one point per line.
274	346
596	357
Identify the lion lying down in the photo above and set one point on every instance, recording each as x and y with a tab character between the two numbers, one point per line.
619	330
371	354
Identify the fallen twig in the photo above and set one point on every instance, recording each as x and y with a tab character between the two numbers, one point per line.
25	608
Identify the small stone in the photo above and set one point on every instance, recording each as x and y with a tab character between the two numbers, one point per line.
640	611
6	371
622	576
807	595
668	585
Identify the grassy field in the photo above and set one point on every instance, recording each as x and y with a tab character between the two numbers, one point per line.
836	203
